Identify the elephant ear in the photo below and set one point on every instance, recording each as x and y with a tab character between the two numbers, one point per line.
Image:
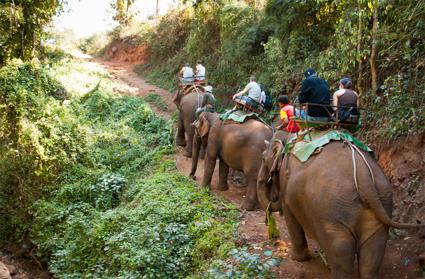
204	126
277	147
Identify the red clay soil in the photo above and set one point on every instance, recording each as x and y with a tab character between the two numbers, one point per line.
124	52
403	249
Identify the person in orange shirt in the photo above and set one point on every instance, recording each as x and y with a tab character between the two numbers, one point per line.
286	112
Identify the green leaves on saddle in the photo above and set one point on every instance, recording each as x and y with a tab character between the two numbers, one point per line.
312	141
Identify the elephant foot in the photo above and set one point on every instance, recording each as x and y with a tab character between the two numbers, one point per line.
301	256
192	176
249	206
222	187
187	154
180	142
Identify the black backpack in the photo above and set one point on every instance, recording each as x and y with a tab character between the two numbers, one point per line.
268	104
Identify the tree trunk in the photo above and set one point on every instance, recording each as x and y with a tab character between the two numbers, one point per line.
374	48
359	54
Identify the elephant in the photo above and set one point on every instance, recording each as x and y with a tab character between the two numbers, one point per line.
320	198
187	104
200	138
238	146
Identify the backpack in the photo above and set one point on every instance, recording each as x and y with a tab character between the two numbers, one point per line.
268	104
266	100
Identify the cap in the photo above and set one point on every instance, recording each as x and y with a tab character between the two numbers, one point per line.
309	72
208	89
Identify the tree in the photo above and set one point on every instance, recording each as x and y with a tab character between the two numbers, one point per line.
123	12
22	25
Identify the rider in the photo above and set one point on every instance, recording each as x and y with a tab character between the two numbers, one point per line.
346	102
254	93
286	112
207	102
186	74
315	90
200	72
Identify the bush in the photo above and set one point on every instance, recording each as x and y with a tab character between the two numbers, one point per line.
37	141
149	237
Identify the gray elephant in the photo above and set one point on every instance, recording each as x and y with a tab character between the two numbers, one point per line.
321	199
200	139
187	103
238	146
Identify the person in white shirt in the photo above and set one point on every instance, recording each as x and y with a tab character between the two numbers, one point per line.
187	73
253	98
200	71
252	88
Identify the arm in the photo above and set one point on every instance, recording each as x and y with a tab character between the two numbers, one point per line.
241	92
358	99
285	119
304	94
335	100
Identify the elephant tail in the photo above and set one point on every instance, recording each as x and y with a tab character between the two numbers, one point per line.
369	195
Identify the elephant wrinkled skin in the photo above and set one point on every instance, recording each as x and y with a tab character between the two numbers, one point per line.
187	105
200	138
319	199
238	146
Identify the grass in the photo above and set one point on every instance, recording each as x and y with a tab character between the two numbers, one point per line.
156	100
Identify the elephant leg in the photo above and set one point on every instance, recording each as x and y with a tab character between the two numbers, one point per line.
209	165
195	156
296	232
223	171
190	131
371	254
180	131
251	201
340	251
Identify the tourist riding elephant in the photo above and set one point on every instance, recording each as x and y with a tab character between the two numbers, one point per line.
238	146
187	105
200	138
348	214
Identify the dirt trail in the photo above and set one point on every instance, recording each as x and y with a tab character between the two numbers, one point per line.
399	261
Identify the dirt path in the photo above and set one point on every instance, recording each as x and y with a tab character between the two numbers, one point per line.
399	261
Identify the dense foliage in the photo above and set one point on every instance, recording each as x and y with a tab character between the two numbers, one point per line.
22	26
379	44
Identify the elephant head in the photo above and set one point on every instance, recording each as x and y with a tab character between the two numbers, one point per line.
268	180
202	128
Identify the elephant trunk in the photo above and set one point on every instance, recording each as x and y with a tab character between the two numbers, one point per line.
196	147
264	188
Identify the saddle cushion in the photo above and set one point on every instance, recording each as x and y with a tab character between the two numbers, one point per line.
312	141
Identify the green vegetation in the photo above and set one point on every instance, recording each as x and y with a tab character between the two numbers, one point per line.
156	100
379	44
